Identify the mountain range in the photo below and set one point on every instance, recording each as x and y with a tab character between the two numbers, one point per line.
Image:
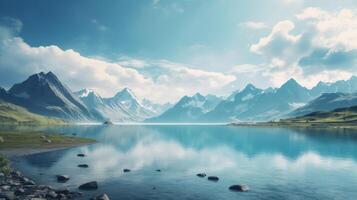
44	94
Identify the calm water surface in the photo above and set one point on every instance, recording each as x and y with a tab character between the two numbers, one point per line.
276	163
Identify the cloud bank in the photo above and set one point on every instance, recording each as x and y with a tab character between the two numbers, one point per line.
19	60
315	45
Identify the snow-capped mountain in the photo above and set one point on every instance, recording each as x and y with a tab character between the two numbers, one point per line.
188	109
156	108
44	94
122	107
327	102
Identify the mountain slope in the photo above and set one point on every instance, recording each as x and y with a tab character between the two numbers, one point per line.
326	102
44	94
12	114
123	107
188	109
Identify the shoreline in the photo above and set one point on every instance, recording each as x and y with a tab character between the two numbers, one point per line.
307	125
14	185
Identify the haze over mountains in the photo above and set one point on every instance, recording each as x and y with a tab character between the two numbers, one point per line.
45	94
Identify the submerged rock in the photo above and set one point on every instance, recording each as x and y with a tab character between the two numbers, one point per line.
108	122
93	185
101	197
239	188
62	178
201	175
83	165
126	170
213	178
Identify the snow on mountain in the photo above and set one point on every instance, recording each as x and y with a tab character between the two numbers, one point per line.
188	109
44	94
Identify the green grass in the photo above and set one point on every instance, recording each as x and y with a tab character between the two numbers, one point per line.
12	114
38	140
339	118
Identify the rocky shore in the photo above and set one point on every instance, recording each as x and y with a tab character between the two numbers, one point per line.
15	186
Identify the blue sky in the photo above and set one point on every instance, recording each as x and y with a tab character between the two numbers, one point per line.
178	47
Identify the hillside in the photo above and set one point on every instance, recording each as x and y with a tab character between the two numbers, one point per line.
12	114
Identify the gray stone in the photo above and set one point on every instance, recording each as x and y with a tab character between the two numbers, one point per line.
101	197
8	195
201	175
213	178
51	194
62	178
83	166
93	185
239	188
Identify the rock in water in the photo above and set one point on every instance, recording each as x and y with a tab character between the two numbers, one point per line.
83	165
239	188
201	175
62	178
126	170
89	186
101	197
81	155
158	170
213	178
1	139
108	122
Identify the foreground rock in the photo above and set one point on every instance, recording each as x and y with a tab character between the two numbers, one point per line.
83	166
62	178
101	197
239	188
14	186
213	178
201	175
93	185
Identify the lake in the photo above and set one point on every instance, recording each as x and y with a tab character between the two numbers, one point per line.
276	163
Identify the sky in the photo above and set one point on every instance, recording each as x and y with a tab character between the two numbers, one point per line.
164	49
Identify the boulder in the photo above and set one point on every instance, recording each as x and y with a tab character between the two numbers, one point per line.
126	170
158	170
213	178
62	178
83	165
93	185
201	175
239	188
8	195
101	197
81	155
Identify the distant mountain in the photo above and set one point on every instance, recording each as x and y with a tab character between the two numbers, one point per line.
348	86
122	107
13	114
327	102
156	108
44	94
253	104
188	109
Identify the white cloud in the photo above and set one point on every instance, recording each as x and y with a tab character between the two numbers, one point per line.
99	26
325	43
19	60
254	25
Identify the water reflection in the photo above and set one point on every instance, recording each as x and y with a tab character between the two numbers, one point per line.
275	162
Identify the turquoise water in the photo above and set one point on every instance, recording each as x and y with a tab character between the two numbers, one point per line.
275	163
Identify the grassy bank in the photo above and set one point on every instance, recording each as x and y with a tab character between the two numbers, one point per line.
12	114
33	140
